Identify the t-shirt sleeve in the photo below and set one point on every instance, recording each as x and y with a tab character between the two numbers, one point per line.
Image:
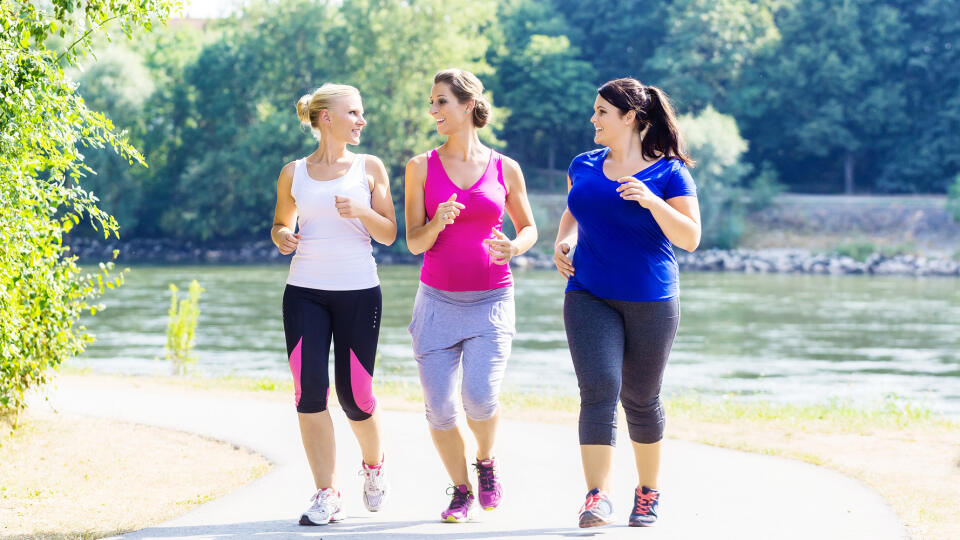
680	184
573	165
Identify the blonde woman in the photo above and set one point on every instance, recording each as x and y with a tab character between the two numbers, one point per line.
329	206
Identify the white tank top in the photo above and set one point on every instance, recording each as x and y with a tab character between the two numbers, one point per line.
334	253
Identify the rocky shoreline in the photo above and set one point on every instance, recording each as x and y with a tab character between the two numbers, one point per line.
760	261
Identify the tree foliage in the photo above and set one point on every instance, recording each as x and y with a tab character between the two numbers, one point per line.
44	129
861	92
720	174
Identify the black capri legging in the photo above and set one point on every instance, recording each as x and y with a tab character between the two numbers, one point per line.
311	317
619	351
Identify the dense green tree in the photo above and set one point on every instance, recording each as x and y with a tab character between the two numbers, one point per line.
923	152
714	142
551	95
617	37
44	129
549	90
707	46
118	84
243	88
821	102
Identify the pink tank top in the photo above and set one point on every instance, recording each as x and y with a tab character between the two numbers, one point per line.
458	260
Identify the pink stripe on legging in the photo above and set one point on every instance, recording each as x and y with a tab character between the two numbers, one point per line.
295	368
361	384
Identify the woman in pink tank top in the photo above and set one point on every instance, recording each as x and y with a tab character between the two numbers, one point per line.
463	315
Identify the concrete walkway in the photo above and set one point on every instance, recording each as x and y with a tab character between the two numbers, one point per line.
708	492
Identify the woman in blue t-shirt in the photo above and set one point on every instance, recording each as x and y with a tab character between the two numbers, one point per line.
627	203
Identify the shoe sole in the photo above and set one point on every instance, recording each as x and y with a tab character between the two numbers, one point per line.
593	521
642	524
339	516
383	501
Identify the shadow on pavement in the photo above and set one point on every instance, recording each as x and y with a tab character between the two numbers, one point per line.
350	529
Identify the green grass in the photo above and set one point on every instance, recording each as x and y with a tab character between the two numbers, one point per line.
891	412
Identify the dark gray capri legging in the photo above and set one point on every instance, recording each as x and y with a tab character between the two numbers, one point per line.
619	351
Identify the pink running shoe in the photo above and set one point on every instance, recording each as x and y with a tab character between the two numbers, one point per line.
490	492
460	505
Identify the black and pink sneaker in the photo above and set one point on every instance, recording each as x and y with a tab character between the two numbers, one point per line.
460	505
490	493
645	502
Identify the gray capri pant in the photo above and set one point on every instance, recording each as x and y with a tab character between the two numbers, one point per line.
475	326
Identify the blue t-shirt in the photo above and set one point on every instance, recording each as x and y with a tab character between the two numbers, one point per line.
621	253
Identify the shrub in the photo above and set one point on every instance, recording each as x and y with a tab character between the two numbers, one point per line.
181	327
45	128
858	251
953	198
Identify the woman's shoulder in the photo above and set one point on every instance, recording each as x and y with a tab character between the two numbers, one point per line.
508	163
676	164
590	155
590	159
372	162
286	173
418	165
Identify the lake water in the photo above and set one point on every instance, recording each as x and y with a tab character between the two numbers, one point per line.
783	338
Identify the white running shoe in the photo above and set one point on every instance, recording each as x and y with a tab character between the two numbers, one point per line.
374	486
325	507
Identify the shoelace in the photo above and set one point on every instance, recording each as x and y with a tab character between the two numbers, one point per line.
643	503
486	476
320	497
370	478
459	497
592	502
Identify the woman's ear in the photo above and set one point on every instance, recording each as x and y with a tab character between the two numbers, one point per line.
629	117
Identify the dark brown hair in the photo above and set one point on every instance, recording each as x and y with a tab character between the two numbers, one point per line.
467	86
653	109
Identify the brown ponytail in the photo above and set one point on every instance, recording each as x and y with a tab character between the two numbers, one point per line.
654	110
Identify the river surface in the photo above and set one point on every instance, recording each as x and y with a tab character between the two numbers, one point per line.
781	338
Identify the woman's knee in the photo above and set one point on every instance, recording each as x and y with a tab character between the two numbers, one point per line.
645	419
441	413
599	386
354	410
480	404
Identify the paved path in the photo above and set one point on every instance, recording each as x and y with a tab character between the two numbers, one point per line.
708	492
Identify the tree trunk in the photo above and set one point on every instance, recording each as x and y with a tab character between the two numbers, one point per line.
551	156
848	164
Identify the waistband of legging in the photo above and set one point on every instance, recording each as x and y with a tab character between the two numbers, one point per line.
467	298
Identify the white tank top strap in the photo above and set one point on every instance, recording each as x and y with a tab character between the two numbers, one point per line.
360	162
298	171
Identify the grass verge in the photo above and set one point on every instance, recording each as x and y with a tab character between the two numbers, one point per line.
66	476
